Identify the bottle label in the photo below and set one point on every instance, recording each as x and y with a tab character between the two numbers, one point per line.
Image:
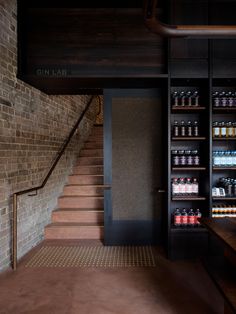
223	131
177	220
184	220
216	131
198	216
191	220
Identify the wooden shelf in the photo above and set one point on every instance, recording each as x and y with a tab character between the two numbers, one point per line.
188	230
223	198
223	168
188	168
188	108
188	138
224	139
188	198
225	109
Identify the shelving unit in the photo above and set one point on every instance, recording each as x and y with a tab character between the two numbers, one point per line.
178	236
222	143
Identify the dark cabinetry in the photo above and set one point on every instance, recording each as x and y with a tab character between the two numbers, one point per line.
189	165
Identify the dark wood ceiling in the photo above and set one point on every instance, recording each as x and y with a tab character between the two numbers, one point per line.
95	46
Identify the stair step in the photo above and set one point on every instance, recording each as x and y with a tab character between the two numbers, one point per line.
94	144
78	215
81	190
91	169
73	231
91	153
93	138
98	161
85	179
80	202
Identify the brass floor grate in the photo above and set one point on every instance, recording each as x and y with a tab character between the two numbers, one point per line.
93	256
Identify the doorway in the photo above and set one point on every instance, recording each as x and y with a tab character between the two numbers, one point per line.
134	168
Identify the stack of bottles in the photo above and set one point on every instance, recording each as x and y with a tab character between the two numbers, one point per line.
224	129
224	158
185	158
183	128
185	187
224	99
186	218
185	99
227	186
219	211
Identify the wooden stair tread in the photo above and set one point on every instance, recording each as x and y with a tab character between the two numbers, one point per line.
91	175
73	224
79	209
92	166
88	185
81	196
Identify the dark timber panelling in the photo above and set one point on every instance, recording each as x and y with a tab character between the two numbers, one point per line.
92	42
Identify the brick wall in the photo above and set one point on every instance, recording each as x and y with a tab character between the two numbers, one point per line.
33	127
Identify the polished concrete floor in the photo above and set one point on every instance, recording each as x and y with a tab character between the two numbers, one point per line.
171	287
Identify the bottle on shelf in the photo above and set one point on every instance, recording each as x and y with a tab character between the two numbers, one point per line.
224	158
216	129
223	99
197	216
175	99
222	210
189	98
182	99
182	128
195	187
189	129
186	218
195	129
176	129
177	218
185	158
196	98
225	187
185	187
185	128
191	218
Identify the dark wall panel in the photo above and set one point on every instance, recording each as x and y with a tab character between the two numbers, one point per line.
92	42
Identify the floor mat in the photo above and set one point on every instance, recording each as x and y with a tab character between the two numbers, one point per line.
93	256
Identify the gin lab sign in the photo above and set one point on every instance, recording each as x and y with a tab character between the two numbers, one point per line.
55	72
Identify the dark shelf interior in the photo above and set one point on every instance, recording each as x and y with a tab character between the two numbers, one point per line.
188	230
224	139
226	198
189	138
188	168
188	198
223	168
224	109
188	108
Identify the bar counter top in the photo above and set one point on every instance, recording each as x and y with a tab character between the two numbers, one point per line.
223	228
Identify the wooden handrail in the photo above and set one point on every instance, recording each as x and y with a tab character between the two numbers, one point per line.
15	195
185	31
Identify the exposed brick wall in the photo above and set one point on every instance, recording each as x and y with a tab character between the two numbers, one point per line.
33	127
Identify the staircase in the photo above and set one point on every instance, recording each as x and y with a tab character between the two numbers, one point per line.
80	208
